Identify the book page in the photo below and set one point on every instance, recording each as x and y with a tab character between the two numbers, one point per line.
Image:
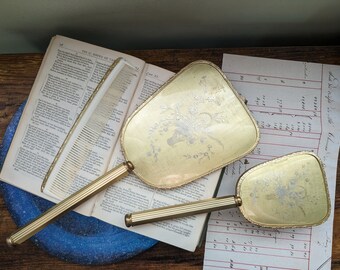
131	194
297	106
87	151
68	75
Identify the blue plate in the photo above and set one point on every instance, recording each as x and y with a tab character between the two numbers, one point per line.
74	238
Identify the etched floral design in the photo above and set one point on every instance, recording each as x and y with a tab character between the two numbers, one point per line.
186	123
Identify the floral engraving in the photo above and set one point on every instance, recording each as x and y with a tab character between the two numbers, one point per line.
186	123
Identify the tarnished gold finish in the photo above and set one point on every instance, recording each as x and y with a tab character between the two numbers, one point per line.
68	204
290	191
287	192
195	124
182	210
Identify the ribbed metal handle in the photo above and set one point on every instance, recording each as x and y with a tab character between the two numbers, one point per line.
69	203
181	210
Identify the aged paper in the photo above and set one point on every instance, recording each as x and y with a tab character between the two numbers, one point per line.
297	107
67	77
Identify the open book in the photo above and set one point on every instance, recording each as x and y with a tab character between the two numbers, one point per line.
68	75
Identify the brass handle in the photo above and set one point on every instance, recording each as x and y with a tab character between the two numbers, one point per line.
181	210
69	203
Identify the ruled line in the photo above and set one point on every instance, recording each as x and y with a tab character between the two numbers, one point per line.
250	264
257	253
262	236
283	108
274	84
270	76
289	114
254	246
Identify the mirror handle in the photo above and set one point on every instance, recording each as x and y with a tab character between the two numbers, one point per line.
182	210
69	203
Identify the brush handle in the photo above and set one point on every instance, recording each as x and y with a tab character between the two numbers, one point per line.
182	210
69	203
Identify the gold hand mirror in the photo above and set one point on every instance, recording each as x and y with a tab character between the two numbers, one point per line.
195	124
290	191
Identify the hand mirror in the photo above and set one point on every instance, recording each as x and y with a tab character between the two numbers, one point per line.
195	124
290	191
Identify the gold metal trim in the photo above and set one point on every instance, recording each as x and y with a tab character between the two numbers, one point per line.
239	98
244	175
177	211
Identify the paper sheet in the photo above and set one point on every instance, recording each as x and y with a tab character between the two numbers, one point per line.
297	107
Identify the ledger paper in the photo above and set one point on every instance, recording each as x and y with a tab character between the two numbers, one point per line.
297	107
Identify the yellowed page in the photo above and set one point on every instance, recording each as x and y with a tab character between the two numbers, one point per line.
68	75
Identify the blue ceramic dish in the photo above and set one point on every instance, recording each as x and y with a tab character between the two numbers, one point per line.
73	238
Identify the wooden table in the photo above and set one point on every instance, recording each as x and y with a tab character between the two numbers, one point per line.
17	74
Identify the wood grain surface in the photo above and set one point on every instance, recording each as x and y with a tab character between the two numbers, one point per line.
17	74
